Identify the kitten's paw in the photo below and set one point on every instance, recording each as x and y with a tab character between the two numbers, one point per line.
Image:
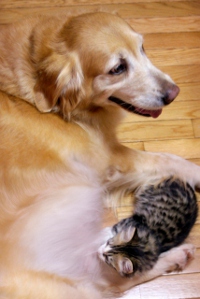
189	250
178	257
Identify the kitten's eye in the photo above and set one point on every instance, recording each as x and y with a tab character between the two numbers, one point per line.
142	50
119	69
110	259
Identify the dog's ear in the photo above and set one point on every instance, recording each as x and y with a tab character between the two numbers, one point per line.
59	77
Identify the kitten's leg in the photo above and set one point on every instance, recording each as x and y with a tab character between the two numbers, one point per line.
174	259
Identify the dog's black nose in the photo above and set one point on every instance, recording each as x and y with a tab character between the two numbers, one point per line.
171	94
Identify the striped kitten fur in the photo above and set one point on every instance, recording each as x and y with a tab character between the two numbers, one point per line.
164	215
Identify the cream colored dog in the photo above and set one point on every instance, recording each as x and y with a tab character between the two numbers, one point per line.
57	168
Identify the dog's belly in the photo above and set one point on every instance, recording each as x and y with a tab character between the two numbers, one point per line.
62	234
60	231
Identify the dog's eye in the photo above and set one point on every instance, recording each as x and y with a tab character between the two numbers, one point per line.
119	69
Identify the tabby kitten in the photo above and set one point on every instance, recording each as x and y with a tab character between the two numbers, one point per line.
164	215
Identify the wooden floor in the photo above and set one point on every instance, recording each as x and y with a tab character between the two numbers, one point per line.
171	31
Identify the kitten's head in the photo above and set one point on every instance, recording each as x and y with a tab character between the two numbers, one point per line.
130	250
114	252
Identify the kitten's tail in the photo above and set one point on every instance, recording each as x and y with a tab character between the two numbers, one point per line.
35	285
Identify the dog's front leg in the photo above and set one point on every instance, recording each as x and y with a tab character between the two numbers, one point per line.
164	164
136	167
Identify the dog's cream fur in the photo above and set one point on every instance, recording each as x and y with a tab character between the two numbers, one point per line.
55	173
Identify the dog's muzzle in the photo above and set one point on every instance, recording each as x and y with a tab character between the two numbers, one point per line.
171	93
130	108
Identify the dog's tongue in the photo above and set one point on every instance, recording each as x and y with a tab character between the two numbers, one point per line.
152	113
155	113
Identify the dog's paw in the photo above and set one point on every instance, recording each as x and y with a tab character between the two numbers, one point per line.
177	258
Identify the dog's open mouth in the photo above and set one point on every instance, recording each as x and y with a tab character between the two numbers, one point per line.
140	111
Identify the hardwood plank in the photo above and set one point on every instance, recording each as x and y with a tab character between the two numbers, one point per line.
168	57
109	217
198	199
152	12
126	202
124	212
194	236
170	40
16	14
168	287
142	25
183	73
177	110
189	91
198	217
164	7
196	127
135	145
37	3
155	130
186	148
166	25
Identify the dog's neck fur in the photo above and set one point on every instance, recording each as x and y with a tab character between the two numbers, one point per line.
104	119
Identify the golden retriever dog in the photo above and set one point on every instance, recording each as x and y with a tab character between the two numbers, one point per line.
57	168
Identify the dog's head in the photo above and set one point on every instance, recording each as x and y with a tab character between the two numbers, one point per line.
98	60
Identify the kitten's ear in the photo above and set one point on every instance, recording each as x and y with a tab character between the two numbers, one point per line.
59	77
127	266
127	234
